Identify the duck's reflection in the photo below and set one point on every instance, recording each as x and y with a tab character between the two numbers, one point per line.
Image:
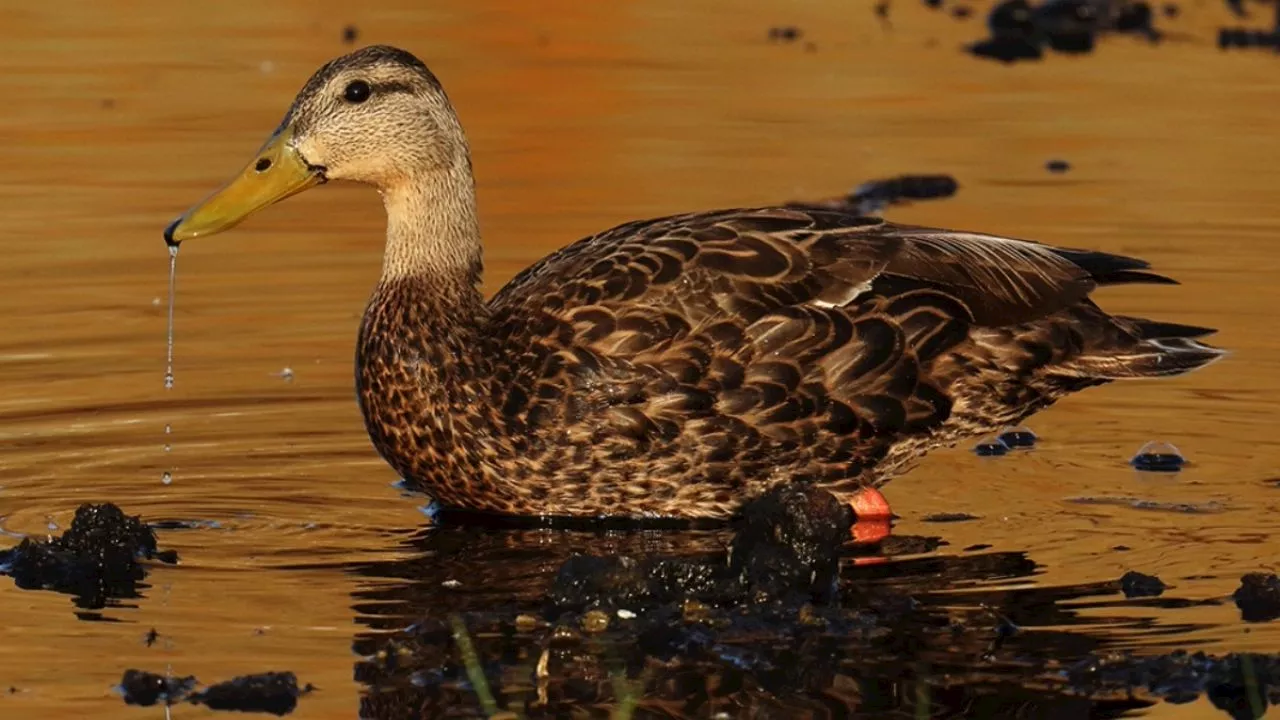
672	624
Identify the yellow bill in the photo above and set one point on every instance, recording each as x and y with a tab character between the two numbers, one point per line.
277	172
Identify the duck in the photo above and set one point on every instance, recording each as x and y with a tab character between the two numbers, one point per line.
677	367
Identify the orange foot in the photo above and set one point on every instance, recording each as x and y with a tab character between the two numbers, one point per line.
872	516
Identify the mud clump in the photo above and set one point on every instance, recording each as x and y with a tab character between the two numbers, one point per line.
1258	597
99	558
271	692
1135	585
276	693
785	546
143	688
1022	31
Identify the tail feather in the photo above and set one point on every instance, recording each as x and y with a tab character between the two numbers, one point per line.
1161	350
1157	330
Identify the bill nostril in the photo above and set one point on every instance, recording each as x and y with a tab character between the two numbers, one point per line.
262	165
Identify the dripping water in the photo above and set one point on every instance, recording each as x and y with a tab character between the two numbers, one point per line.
173	281
167	477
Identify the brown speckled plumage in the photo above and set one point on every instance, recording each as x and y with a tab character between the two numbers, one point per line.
675	367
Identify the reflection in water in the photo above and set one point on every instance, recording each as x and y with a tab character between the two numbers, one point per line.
924	635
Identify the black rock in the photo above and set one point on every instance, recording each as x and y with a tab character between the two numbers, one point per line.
96	559
144	688
272	692
1258	597
1135	585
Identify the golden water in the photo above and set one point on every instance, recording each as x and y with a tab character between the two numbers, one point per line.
581	115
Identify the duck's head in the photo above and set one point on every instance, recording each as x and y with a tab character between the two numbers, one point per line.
376	116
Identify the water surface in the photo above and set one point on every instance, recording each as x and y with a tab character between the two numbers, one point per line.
583	115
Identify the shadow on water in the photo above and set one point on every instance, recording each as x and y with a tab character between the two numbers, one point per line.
485	621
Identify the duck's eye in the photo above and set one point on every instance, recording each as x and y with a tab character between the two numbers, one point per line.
357	91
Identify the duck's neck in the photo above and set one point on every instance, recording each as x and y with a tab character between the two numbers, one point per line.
422	357
432	230
431	267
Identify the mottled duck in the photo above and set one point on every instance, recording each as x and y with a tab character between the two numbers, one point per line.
675	367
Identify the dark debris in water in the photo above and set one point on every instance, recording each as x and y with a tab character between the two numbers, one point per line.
271	692
99	558
1258	597
873	196
949	517
785	33
1057	167
1135	585
140	687
1022	31
782	549
276	693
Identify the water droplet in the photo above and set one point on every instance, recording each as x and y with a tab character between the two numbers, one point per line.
168	447
52	525
287	374
166	478
168	379
167	429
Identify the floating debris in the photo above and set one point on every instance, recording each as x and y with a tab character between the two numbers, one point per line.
1158	457
785	34
146	689
1243	38
1019	437
151	637
1135	585
271	692
1020	31
1057	166
1258	597
991	448
950	517
350	34
97	559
